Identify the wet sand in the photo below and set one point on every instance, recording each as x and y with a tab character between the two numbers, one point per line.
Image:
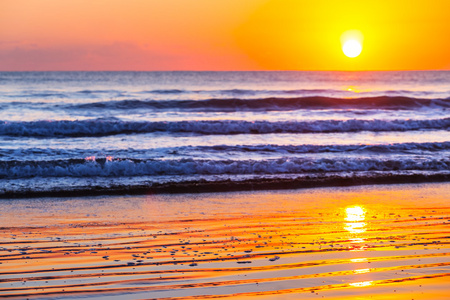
374	242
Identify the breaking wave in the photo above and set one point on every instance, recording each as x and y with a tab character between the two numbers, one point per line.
108	167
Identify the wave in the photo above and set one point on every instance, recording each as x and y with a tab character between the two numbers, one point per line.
218	151
40	94
70	186
109	167
165	91
102	127
271	104
304	149
269	148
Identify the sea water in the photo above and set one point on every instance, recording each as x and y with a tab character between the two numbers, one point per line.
125	131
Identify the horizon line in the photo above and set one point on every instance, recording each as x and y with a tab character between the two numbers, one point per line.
143	71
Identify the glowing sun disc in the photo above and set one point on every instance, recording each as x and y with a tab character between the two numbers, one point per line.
352	48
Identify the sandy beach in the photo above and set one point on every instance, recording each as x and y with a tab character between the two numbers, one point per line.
377	242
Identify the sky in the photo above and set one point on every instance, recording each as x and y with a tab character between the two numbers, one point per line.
151	35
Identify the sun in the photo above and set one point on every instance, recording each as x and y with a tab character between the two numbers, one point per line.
352	43
352	48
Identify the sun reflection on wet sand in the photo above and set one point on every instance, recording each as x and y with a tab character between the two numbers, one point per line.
362	271
355	213
361	284
357	260
354	216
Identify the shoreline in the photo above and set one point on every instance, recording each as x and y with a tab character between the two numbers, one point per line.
220	186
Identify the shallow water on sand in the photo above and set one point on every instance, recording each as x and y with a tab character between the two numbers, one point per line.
383	242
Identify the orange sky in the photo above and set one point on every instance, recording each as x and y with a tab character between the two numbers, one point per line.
222	34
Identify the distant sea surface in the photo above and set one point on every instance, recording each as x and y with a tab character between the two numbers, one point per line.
125	132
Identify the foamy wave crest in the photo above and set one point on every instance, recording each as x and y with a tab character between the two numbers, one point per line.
41	154
132	167
272	103
101	127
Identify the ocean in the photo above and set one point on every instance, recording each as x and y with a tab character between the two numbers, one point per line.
82	133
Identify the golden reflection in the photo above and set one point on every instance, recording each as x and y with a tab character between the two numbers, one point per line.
354	215
357	240
358	260
362	271
361	284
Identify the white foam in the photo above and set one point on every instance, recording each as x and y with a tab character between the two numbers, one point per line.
118	168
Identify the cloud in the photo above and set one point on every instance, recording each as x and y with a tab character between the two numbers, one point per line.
114	56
